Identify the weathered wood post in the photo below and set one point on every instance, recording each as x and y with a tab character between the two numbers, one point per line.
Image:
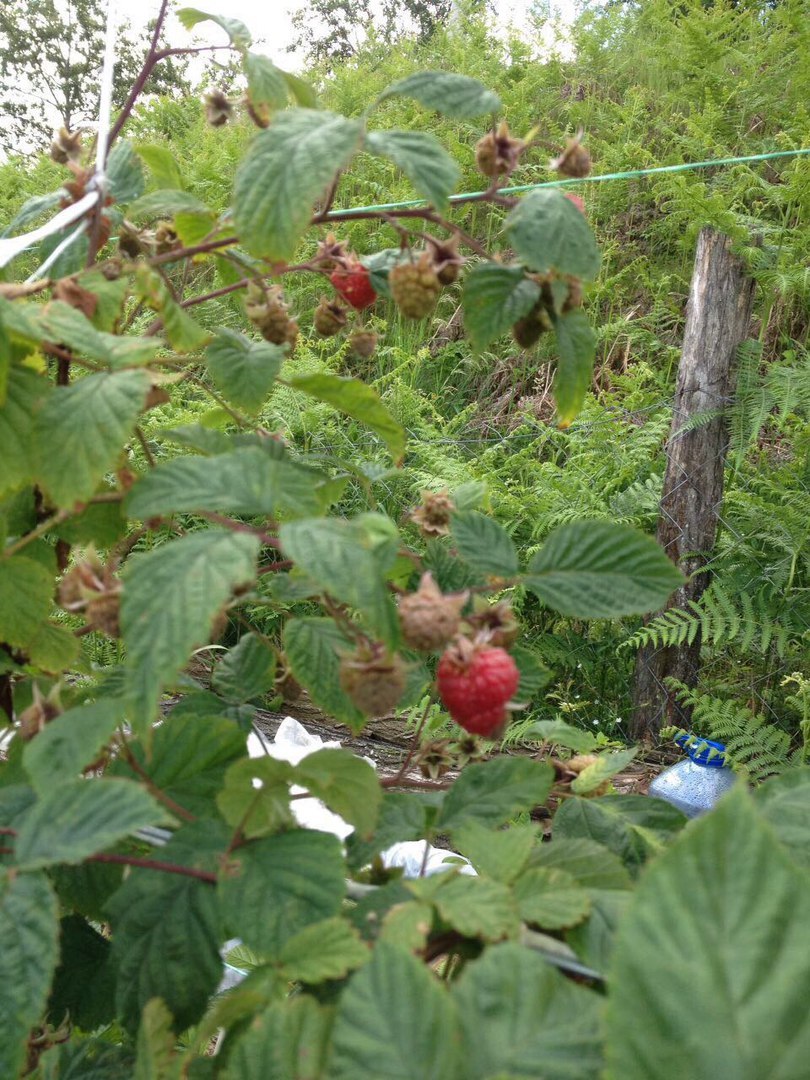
718	315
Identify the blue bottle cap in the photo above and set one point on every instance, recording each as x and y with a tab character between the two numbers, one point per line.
700	749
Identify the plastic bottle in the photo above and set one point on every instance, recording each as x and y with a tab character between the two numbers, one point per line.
695	785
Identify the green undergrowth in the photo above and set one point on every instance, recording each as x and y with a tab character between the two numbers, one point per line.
650	86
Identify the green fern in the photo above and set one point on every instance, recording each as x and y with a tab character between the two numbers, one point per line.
721	618
753	745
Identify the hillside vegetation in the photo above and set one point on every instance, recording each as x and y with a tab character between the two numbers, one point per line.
651	85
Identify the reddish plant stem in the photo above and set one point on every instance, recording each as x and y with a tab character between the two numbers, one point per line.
137	87
414	743
154	864
159	794
240	526
198	249
404	781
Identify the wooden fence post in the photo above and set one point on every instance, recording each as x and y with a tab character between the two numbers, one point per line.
718	316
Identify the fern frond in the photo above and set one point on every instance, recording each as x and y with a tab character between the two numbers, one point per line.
722	618
760	748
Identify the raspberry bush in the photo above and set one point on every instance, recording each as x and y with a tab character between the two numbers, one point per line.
547	962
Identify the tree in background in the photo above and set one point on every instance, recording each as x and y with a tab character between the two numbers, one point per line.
50	57
332	30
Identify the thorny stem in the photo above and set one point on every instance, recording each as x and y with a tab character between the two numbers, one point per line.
66	358
155	864
150	457
43	527
237	418
135	860
414	741
159	794
240	526
137	87
408	782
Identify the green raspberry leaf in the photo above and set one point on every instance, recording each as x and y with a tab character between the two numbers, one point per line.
285	169
422	158
494	298
448	93
550	234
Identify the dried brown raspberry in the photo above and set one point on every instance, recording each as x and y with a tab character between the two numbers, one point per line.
69	291
86	578
331	253
363	343
287	685
92	587
103	613
496	621
218	110
574	161
446	260
433	515
498	152
166	238
39	713
579	764
129	241
259	112
156	396
373	679
528	330
267	310
415	287
329	318
574	298
66	146
428	618
435	758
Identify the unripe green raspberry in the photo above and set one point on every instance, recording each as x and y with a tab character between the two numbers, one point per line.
415	287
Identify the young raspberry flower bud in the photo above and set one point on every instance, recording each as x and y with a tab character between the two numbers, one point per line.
428	618
329	318
363	343
373	679
218	110
415	287
498	152
574	161
433	515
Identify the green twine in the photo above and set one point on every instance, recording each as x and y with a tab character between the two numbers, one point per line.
630	175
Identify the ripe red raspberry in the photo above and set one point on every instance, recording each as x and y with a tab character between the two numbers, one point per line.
577	200
354	285
475	684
